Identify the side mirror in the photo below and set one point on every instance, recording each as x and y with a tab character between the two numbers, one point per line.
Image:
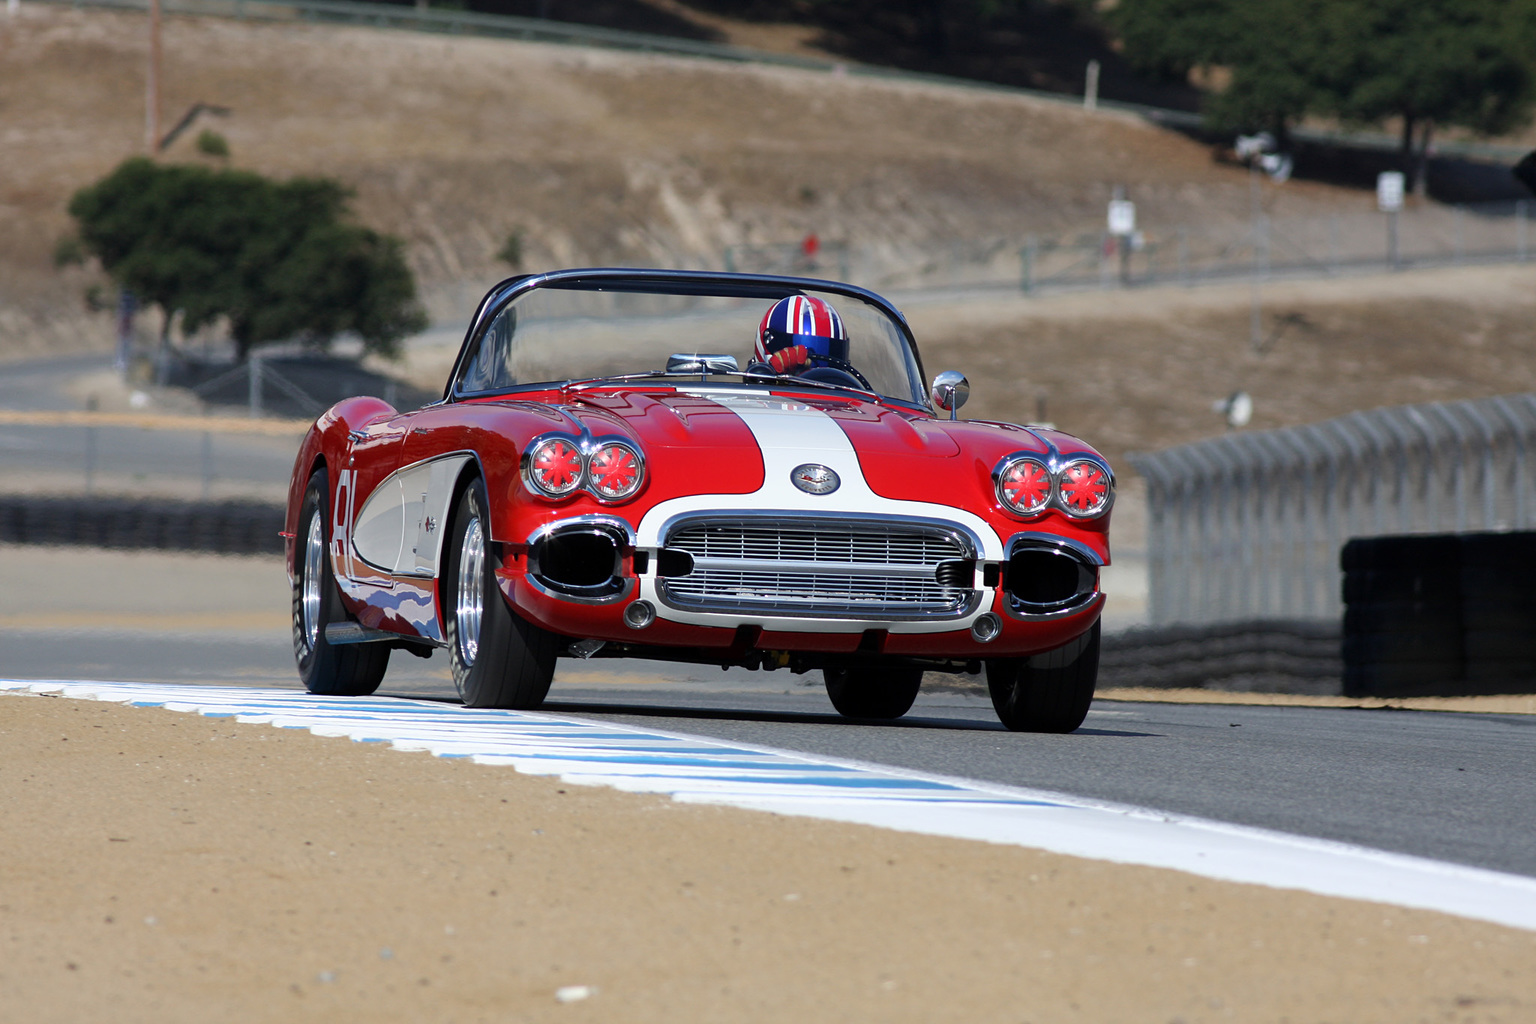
950	390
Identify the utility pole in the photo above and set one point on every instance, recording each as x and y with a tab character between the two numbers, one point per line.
152	82
1255	288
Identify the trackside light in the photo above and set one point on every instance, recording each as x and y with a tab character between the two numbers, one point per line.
554	467
1024	485
1084	489
615	471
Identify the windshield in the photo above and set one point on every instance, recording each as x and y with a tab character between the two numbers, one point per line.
552	334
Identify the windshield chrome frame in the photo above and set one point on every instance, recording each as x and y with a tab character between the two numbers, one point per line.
665	282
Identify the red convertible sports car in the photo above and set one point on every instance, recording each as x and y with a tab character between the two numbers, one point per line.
724	469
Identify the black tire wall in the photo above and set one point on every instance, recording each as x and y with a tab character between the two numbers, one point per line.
1440	615
226	527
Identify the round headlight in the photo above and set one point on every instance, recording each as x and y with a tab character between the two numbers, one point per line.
554	467
615	471
1085	488
1024	485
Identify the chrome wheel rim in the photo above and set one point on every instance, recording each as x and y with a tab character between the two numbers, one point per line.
471	592
314	555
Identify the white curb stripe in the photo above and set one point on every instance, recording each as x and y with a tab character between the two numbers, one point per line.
696	769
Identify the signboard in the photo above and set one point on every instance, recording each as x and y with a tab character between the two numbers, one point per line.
1122	217
1389	191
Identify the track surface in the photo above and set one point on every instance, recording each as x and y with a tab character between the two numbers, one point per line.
1454	787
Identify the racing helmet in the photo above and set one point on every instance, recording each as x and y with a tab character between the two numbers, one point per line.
802	320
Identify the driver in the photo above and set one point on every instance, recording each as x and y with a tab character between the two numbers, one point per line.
800	334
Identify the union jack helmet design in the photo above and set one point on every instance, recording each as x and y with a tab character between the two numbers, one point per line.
801	320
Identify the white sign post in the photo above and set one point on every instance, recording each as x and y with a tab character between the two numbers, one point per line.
1389	200
1122	225
1122	217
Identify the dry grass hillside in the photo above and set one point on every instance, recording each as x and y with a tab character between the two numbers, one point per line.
596	156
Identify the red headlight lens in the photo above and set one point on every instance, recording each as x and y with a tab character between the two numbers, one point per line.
1025	486
1085	488
615	472
554	467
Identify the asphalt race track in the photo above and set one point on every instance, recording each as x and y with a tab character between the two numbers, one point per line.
1448	786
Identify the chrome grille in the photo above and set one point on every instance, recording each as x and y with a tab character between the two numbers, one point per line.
855	567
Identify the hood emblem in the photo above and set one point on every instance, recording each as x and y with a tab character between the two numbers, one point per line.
815	479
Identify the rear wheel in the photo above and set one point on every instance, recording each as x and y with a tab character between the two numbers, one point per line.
344	670
499	659
1047	692
873	691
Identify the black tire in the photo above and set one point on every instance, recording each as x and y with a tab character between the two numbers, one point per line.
1401	617
1439	646
1047	692
499	659
873	691
1402	679
345	670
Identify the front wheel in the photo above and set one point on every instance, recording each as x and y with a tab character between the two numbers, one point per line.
1047	692
499	659
346	670
873	691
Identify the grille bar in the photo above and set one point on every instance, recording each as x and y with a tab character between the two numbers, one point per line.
822	567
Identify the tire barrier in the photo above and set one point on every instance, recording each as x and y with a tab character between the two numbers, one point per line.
226	527
1266	655
1440	615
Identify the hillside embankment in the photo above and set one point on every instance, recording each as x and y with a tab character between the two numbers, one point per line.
595	157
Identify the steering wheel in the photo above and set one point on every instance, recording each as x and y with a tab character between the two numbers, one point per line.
843	377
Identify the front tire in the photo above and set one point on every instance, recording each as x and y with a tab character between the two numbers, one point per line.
1047	692
346	670
499	659
873	691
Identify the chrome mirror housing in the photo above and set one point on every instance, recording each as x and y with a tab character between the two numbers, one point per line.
950	390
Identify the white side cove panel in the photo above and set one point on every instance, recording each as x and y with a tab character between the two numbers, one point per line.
789	434
400	527
427	488
378	531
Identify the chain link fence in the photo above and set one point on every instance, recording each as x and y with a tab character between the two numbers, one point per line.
1249	526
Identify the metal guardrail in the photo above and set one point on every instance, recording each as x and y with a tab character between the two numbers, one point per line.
1250	525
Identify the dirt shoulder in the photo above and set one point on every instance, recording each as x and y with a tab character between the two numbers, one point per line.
168	867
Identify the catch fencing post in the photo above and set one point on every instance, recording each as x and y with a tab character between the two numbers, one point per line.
1517	437
207	461
253	373
1028	255
1520	230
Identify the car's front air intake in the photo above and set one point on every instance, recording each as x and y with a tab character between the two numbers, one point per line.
827	567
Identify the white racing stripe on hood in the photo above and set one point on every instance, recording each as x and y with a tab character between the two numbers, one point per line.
791	434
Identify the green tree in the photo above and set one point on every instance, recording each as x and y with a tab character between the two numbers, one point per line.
1462	62
278	260
1428	62
1275	53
